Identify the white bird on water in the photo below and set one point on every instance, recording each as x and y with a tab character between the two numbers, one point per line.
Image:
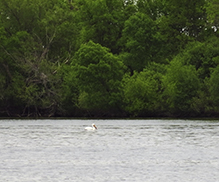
91	128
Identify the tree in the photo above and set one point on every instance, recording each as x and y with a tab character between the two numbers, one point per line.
2	70
202	55
181	22
102	22
188	17
65	57
155	9
214	86
141	43
181	84
212	13
142	91
69	92
99	74
32	52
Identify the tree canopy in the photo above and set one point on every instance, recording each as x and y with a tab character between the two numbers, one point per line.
109	58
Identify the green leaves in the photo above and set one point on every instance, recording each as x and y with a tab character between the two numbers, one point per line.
181	84
142	93
214	86
203	55
108	57
139	34
98	74
32	51
102	22
212	12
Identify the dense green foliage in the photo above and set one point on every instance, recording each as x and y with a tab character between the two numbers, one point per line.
113	58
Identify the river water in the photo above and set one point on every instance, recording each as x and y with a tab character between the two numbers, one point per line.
120	150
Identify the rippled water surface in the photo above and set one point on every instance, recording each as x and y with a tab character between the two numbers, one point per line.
120	150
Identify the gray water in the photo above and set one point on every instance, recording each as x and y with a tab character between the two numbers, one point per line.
120	150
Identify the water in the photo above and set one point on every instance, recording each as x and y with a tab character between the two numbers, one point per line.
120	150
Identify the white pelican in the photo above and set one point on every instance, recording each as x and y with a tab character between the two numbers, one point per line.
91	128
